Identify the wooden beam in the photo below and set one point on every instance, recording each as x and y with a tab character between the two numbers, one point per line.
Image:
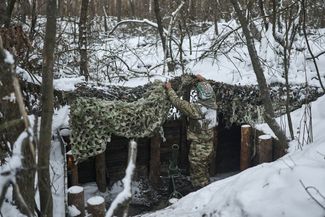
245	145
154	168
213	162
100	164
74	180
183	145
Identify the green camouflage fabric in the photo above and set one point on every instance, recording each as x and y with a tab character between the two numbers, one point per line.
201	138
94	120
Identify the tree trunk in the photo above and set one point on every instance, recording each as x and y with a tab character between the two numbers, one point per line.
44	148
263	14
119	9
161	34
10	8
259	72
33	21
83	39
2	12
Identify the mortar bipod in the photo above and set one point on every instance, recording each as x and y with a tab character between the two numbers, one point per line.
173	172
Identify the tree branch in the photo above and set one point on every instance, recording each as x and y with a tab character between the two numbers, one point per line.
123	199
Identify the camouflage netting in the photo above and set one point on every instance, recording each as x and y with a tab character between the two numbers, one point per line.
94	120
242	104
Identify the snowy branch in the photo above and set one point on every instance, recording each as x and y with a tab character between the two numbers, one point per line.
123	198
308	188
315	55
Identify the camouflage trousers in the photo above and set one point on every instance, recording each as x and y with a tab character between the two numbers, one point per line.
199	156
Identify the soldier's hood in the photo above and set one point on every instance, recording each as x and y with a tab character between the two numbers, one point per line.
209	103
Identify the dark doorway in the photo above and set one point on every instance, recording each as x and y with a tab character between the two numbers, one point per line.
228	148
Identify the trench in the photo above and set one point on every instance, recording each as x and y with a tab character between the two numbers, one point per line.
145	197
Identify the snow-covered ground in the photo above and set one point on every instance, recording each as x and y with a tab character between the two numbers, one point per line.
292	186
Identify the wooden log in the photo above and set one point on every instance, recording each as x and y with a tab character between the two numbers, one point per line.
74	170
245	145
96	206
184	147
76	198
265	149
154	168
213	162
100	164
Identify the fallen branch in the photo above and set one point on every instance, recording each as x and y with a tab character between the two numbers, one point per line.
123	199
312	196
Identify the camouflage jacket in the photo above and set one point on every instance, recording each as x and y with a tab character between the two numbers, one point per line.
201	119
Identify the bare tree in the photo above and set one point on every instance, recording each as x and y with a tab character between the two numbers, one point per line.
163	39
303	5
44	148
119	9
259	72
83	39
13	127
2	12
10	8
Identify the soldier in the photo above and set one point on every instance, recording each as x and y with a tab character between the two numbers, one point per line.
202	119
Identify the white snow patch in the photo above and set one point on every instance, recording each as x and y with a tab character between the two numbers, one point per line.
265	137
9	58
246	126
75	189
73	211
96	200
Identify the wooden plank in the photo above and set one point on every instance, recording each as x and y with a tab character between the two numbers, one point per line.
74	180
154	168
213	162
100	163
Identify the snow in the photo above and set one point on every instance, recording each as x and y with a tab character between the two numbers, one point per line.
11	98
269	189
67	84
265	137
96	200
9	58
75	189
245	126
8	172
73	211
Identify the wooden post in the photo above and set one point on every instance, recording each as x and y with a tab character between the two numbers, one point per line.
264	148
154	169
96	206
100	164
183	144
74	170
76	198
213	162
245	143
